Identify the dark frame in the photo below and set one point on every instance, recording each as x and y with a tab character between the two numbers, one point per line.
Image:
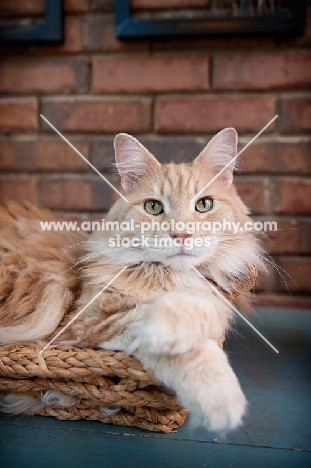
51	30
127	27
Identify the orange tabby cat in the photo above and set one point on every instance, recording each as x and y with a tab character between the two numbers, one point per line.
159	308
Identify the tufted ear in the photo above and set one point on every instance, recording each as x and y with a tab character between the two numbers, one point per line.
219	152
133	160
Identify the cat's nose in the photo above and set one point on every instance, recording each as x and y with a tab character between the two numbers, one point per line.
180	235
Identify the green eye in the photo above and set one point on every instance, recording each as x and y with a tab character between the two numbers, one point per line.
154	207
204	204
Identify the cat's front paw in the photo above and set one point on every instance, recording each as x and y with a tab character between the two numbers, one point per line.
161	328
216	400
223	412
204	383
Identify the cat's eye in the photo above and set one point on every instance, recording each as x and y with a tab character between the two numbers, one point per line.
154	207
204	204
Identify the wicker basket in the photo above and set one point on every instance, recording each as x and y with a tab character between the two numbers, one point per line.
98	379
107	386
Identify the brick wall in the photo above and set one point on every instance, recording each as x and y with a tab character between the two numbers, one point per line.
173	95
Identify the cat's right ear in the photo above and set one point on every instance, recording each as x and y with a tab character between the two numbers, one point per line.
133	160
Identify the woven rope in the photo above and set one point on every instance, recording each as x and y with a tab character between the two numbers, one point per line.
106	395
96	378
70	363
156	421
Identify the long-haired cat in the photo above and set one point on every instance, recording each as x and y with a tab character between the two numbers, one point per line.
159	309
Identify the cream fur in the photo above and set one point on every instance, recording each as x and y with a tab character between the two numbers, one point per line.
14	403
36	287
204	382
159	309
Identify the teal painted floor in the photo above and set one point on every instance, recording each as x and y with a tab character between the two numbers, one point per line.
276	432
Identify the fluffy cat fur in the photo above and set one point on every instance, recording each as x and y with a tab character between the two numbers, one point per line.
159	309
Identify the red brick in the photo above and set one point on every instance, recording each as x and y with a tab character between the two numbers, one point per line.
42	155
102	154
174	148
18	189
292	236
73	37
97	216
21	7
167	149
74	31
76	6
278	70
75	217
254	193
293	196
99	35
298	271
74	27
283	301
43	76
18	115
143	74
103	196
65	194
276	157
89	193
98	114
209	114
295	115
165	4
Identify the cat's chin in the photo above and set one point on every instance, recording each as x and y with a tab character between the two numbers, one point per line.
182	261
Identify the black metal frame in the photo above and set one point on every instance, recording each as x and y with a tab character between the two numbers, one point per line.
127	27
51	30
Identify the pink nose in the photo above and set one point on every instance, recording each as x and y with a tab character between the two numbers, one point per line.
180	235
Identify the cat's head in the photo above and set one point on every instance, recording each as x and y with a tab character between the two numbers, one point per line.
197	194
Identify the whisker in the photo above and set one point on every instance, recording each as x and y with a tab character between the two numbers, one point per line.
275	265
79	243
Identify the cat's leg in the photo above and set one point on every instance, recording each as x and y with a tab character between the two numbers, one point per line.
204	383
177	322
199	372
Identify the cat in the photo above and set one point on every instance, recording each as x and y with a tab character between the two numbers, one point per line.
159	308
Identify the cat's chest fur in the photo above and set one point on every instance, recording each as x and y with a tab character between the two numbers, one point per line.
134	287
141	285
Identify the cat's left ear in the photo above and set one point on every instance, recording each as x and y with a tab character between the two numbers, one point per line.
133	160
218	153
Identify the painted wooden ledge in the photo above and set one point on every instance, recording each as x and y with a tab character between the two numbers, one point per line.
276	432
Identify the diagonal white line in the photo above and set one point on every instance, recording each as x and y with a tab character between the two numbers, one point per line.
82	310
83	157
235	310
233	159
